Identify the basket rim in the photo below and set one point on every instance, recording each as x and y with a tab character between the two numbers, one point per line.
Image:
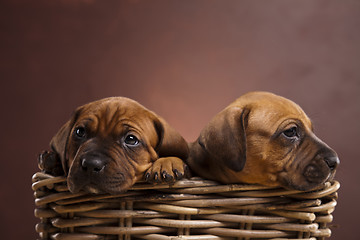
208	208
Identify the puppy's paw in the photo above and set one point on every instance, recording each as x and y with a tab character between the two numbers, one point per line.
167	169
50	163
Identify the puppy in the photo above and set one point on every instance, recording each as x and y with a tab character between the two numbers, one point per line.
262	138
110	144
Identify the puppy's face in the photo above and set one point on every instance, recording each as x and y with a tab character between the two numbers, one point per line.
282	148
109	144
265	139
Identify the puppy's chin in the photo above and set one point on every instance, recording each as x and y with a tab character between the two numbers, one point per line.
297	181
108	180
101	184
94	188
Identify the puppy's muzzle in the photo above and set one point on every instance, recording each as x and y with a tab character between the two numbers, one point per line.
323	168
93	169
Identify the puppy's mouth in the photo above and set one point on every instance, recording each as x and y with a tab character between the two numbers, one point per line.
312	175
322	168
315	174
97	173
113	188
79	181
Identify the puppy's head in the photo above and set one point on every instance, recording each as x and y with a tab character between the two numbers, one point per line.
266	139
109	144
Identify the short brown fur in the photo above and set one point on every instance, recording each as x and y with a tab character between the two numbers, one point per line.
110	144
247	142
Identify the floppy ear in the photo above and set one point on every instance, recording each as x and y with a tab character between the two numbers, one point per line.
60	141
171	143
225	137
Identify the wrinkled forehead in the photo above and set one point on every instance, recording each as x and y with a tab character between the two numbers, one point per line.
108	114
112	107
275	113
271	110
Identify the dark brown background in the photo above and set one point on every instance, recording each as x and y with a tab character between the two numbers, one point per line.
185	60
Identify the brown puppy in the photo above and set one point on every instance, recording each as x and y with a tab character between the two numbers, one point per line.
265	139
110	144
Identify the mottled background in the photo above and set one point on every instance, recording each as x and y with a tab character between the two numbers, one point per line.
186	60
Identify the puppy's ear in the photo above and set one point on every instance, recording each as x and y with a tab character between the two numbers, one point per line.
171	143
59	142
225	137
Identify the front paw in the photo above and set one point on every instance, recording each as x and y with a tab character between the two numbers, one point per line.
167	169
50	163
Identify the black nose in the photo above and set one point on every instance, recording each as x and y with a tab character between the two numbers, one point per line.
92	164
332	162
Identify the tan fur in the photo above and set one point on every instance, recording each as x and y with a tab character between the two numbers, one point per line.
107	123
245	143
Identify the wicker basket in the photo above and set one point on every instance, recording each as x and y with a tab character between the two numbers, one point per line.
189	209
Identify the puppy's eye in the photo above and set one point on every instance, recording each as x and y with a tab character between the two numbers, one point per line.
291	132
131	140
80	132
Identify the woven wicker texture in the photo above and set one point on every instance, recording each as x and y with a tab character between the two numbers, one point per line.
189	209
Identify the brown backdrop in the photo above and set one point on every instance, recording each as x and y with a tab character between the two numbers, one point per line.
185	60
